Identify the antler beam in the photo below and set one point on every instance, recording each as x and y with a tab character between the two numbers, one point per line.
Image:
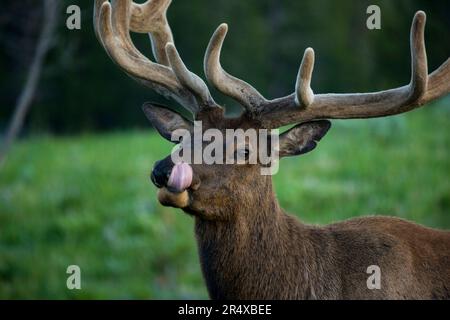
151	18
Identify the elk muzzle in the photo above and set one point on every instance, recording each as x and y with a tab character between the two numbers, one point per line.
173	180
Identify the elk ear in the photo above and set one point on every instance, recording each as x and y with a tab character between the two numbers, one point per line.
165	120
302	138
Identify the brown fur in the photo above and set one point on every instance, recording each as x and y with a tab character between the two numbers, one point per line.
263	253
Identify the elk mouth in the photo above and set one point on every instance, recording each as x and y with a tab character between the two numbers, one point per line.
175	192
180	178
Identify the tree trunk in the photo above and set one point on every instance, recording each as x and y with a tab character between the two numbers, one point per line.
49	20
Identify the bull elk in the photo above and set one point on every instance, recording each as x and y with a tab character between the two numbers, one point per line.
249	247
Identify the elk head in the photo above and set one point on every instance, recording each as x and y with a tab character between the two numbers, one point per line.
210	190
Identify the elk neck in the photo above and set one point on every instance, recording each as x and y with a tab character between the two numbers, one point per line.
260	236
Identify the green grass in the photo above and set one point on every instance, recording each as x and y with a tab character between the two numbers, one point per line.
88	201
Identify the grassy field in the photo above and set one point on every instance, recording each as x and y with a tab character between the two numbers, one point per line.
88	201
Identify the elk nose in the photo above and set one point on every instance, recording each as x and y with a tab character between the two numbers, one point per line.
161	172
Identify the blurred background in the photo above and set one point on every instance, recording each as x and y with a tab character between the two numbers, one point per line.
74	187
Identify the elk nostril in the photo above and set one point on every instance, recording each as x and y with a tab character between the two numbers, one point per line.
159	178
161	172
155	181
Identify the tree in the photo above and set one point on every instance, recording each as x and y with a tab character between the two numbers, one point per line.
49	20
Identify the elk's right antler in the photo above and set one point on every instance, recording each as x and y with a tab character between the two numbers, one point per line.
169	76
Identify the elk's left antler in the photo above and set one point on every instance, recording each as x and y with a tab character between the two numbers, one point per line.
304	105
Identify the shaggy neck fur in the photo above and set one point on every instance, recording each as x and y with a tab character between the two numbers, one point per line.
259	252
244	257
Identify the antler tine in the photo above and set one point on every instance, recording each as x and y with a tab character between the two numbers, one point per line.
151	17
113	22
421	89
419	61
120	13
187	78
239	90
304	96
154	11
97	9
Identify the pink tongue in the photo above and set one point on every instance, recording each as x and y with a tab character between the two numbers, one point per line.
181	177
